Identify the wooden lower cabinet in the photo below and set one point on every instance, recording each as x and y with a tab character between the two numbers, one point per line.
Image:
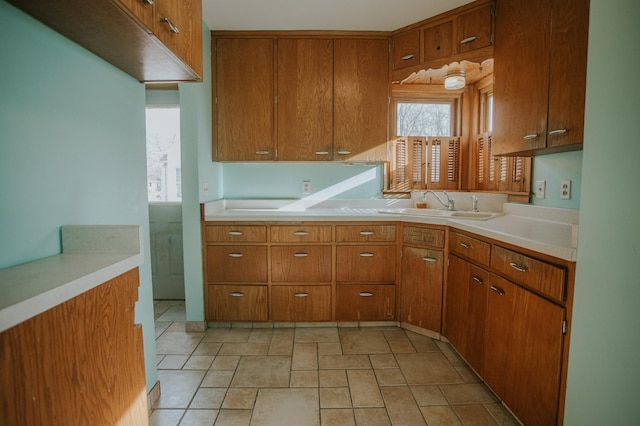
466	304
301	303
241	263
365	302
230	302
293	263
523	354
421	290
366	263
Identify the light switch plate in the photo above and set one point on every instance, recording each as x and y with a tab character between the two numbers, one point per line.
540	187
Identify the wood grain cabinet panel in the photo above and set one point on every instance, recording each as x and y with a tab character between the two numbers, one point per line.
237	303
421	289
438	41
475	29
365	233
406	49
301	233
301	303
295	263
366	263
469	247
423	236
232	263
236	233
369	302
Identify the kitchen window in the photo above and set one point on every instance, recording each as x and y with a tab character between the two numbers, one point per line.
164	173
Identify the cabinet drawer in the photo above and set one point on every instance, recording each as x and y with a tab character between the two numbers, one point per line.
301	303
365	302
237	263
365	233
535	274
301	263
366	263
237	303
300	234
423	236
471	248
231	233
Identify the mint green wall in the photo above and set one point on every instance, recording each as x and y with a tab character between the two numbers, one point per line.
554	168
72	150
604	372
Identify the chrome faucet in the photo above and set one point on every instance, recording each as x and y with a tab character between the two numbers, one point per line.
449	205
474	203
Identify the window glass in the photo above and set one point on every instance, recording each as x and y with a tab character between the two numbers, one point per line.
423	119
164	177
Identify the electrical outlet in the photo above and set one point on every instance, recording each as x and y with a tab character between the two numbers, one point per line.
306	187
540	186
565	190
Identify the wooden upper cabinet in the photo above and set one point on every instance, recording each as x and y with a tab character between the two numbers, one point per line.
406	49
361	99
438	41
305	99
141	10
475	29
540	69
178	24
244	99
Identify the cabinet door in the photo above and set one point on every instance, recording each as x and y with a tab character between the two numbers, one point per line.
474	29
406	49
524	351
142	10
237	303
421	290
438	41
305	100
465	310
244	100
521	71
373	264
370	302
568	72
301	303
237	263
361	99
301	264
178	24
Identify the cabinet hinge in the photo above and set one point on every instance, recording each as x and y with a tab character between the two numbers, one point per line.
216	100
565	326
276	99
401	253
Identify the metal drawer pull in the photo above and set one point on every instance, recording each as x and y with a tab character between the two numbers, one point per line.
149	2
497	290
430	259
344	152
235	255
301	233
366	232
465	245
366	294
366	254
264	152
518	267
300	254
171	25
301	294
322	152
477	279
557	132
407	57
236	294
468	40
235	233
531	136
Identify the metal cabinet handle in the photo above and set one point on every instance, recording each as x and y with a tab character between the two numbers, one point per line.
322	152
468	40
235	255
477	279
518	267
301	233
497	290
171	25
301	294
407	57
149	2
465	245
236	294
366	254
235	233
531	136
343	152
366	232
263	152
300	254
366	294
557	132
430	259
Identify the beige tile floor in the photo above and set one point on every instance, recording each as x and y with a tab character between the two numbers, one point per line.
313	376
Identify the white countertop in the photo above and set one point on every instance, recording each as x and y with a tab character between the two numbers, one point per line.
91	255
550	231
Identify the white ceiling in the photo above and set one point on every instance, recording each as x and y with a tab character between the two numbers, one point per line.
353	15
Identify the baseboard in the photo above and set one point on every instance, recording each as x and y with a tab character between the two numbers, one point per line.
153	396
